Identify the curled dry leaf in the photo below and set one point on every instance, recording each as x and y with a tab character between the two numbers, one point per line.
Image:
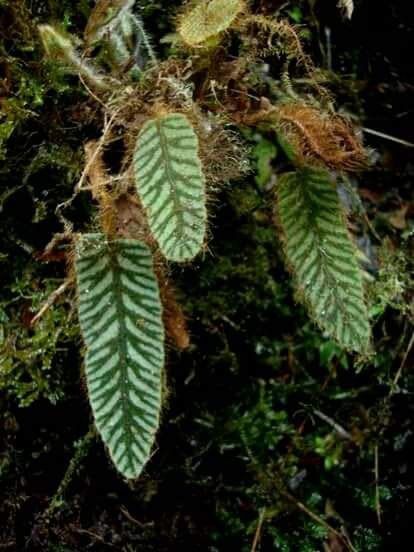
347	6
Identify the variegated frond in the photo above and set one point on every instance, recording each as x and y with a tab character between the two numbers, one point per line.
121	321
322	257
171	184
207	19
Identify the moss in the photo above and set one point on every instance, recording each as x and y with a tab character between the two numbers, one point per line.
395	279
6	129
32	358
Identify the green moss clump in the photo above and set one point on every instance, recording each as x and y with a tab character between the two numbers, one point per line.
32	359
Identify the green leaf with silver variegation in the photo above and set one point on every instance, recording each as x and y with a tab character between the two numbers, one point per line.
320	252
170	182
121	320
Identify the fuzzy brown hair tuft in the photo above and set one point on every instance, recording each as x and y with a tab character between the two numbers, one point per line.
319	138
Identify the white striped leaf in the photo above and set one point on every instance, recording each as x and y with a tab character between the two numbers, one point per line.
171	185
320	252
121	321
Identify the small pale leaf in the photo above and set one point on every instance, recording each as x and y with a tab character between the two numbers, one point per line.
207	20
121	321
320	252
347	6
171	185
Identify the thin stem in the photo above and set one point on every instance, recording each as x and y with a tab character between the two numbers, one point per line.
377	493
51	300
147	43
107	128
387	137
345	540
400	369
338	428
258	530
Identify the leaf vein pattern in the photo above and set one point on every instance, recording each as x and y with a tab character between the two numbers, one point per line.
321	255
121	320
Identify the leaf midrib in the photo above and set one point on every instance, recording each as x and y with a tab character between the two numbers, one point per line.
314	228
178	208
121	345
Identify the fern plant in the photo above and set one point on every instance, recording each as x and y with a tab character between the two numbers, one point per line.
178	127
121	318
170	183
322	256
